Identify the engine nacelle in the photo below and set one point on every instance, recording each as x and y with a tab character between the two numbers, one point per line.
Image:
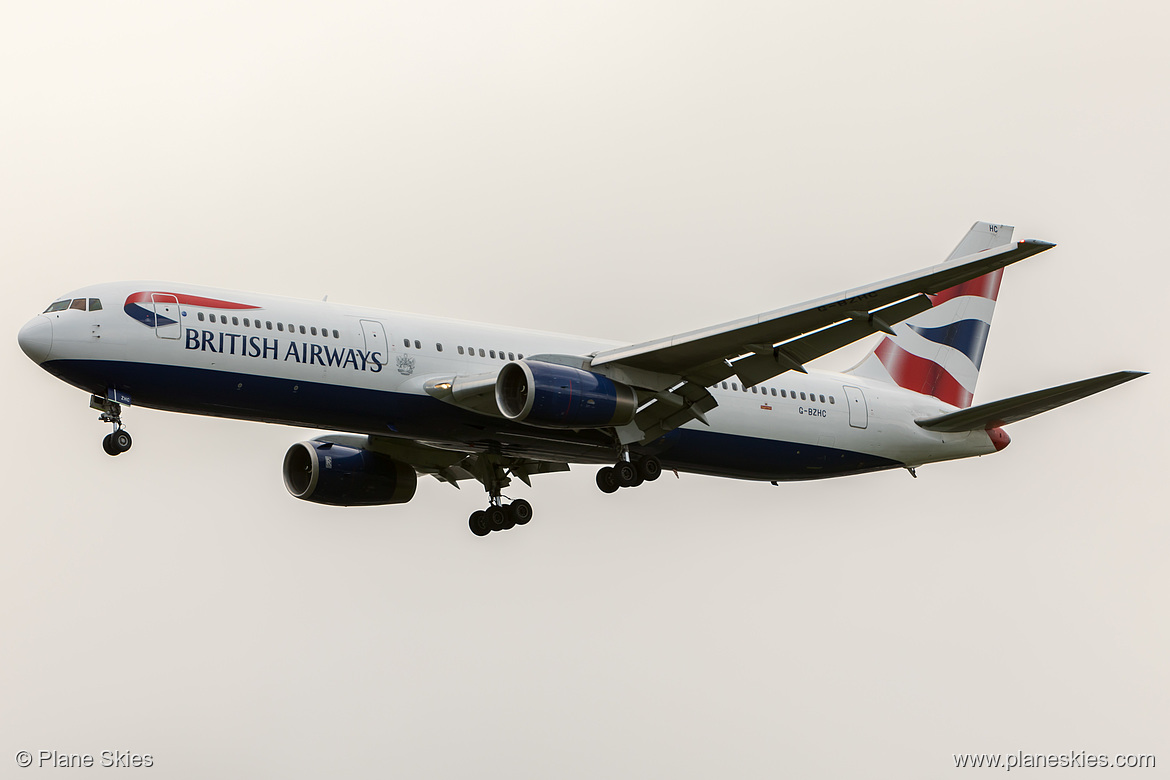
555	396
337	475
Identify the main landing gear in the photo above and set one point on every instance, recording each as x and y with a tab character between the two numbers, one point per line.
628	474
499	516
119	441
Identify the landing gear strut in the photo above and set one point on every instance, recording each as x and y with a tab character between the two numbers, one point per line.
628	474
499	516
119	441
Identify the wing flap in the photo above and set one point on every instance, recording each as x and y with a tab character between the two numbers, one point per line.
1021	407
793	354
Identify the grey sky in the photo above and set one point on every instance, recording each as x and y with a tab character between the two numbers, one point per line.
625	170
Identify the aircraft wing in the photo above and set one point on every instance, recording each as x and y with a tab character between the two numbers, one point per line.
799	330
444	463
680	368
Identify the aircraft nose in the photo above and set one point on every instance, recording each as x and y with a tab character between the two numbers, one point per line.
36	339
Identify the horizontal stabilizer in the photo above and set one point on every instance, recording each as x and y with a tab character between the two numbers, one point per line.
1021	407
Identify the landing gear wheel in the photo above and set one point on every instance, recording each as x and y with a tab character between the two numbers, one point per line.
108	445
650	468
120	440
478	523
607	480
627	475
520	512
496	518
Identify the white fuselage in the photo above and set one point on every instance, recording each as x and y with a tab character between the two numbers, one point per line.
340	367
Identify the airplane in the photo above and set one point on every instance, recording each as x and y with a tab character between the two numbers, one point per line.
410	395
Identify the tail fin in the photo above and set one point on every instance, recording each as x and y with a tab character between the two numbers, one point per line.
939	351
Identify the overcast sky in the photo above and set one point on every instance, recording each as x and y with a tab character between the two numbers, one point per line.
623	170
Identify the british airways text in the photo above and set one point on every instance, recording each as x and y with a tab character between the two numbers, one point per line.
297	351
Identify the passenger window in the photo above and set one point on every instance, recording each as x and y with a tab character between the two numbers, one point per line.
493	353
211	317
439	347
95	304
482	353
302	330
406	343
734	386
822	399
235	320
724	385
773	391
831	400
268	324
312	331
460	350
511	356
519	356
78	303
783	393
200	315
280	326
247	323
335	335
754	390
417	345
802	397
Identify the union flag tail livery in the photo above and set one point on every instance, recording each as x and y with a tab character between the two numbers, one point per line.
463	401
938	352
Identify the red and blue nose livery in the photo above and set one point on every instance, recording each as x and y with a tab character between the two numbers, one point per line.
151	307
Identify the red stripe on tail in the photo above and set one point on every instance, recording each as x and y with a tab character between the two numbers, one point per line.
986	286
921	375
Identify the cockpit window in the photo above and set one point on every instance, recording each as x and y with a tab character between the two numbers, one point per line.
79	304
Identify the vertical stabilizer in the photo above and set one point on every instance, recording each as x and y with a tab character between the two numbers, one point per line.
938	352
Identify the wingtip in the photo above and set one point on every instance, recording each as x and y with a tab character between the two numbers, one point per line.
1034	242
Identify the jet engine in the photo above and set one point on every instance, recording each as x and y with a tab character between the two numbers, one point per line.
327	473
550	395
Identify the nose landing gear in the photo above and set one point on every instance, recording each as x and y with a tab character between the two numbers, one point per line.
119	441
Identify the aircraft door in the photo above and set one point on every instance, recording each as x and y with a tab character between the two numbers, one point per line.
858	411
375	338
167	317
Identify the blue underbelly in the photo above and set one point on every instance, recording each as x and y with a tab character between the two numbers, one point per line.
420	417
